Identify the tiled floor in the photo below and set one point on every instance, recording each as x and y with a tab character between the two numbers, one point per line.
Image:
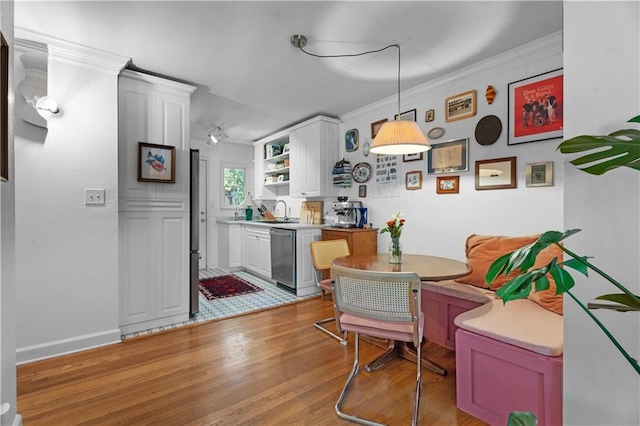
270	297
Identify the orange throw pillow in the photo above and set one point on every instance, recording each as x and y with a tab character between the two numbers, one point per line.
482	251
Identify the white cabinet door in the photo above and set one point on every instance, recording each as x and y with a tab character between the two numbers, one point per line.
305	280
172	264
235	246
136	276
249	249
264	254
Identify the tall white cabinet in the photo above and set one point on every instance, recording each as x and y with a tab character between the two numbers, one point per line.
153	217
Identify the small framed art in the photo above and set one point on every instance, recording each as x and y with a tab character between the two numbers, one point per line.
497	173
412	157
351	140
156	163
375	127
407	115
430	115
535	108
447	184
539	174
462	105
414	180
362	191
447	157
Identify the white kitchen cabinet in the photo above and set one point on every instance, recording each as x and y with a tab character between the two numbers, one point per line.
230	247
154	269
314	151
304	167
305	281
256	250
153	217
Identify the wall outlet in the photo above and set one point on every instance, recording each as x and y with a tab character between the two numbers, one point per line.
93	196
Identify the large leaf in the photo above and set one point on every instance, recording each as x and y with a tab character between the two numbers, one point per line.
622	299
618	149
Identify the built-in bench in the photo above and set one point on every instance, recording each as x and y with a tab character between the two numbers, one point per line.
508	356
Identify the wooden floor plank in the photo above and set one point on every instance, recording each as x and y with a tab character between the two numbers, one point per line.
265	368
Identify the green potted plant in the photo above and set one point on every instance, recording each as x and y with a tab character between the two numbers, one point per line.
623	151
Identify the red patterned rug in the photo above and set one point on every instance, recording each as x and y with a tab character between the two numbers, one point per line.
226	286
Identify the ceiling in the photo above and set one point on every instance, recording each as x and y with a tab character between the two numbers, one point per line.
250	77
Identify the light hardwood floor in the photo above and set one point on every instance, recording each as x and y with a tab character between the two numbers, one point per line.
266	368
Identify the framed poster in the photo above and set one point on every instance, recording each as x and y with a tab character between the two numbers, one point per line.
407	115
376	126
539	174
462	105
4	108
497	173
351	140
412	157
448	185
535	108
413	180
362	191
156	163
447	157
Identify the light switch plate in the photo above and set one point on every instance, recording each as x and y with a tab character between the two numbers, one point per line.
93	196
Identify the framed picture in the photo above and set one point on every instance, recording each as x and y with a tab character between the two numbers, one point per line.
498	173
430	115
362	191
447	184
447	157
4	109
535	108
351	140
412	157
462	105
539	174
414	180
376	126
156	163
407	115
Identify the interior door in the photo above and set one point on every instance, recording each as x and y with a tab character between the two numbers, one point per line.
202	214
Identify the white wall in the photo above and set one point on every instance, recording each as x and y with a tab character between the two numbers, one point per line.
7	250
67	253
602	62
217	156
439	224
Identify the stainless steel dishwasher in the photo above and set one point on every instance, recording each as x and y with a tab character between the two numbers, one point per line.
283	258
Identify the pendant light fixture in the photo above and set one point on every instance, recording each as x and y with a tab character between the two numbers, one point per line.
396	137
399	137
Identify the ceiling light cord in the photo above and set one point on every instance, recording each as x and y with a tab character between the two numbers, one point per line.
350	55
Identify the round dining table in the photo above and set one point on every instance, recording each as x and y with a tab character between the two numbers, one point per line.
428	268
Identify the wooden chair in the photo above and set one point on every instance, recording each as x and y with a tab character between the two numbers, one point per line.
385	305
323	253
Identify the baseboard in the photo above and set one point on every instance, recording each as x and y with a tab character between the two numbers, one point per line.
66	346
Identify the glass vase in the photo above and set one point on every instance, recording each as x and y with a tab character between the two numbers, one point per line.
395	250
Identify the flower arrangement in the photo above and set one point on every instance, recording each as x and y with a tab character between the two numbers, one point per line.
394	226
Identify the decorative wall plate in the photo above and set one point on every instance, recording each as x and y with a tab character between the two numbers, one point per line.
435	133
365	147
488	130
361	172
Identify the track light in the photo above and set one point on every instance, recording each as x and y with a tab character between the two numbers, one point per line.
216	135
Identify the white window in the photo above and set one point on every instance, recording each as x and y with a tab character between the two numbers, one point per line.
233	186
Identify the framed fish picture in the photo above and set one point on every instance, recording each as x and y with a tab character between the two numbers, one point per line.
156	163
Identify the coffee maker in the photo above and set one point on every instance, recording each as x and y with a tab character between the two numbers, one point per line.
346	212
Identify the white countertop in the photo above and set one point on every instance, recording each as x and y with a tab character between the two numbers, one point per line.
284	225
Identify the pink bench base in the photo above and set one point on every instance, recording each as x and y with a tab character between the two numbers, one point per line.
494	378
439	312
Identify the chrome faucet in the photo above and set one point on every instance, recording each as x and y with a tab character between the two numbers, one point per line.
285	208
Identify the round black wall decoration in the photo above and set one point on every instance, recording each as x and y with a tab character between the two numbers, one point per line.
488	130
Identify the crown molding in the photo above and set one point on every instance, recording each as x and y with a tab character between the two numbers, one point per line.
529	53
72	53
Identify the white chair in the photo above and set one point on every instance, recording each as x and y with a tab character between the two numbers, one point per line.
385	305
322	254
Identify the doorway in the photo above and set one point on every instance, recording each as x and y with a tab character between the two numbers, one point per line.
203	215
